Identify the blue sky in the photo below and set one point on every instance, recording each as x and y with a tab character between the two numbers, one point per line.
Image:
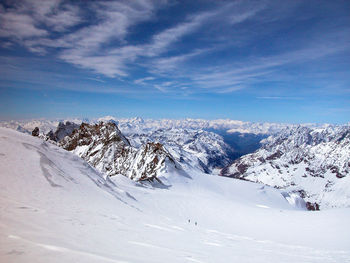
279	61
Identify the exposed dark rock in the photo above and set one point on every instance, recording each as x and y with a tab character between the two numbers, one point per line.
335	170
51	136
275	156
312	206
242	168
35	132
262	160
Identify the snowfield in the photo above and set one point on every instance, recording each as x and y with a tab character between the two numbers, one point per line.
54	207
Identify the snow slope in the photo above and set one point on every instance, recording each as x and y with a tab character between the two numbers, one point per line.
312	162
56	208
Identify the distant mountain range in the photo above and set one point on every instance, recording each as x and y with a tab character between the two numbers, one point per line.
311	161
139	125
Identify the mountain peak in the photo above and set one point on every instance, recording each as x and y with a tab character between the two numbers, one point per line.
107	149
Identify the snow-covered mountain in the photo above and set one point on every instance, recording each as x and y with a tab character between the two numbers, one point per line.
56	208
195	148
240	137
139	125
103	146
312	162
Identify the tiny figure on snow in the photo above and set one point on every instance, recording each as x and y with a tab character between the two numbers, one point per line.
189	221
195	223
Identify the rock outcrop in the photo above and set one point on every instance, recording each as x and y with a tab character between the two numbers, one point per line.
35	132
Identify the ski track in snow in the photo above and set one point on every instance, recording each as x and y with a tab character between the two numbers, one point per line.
193	260
263	206
159	227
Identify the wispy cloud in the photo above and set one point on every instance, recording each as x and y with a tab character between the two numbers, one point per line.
34	23
18	26
279	98
115	19
161	41
97	79
235	76
27	19
143	80
114	62
169	64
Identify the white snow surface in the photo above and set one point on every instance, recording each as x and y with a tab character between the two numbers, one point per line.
56	208
313	162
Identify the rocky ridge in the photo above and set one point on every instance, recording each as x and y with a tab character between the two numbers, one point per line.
103	146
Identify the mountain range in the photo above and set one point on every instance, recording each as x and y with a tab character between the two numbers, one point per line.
138	125
307	161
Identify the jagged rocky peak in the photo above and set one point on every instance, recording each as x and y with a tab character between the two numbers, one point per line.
95	134
64	129
313	162
150	160
195	149
107	149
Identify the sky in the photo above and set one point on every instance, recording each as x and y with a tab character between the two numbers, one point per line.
275	61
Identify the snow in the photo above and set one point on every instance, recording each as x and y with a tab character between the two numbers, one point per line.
315	162
56	208
139	125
